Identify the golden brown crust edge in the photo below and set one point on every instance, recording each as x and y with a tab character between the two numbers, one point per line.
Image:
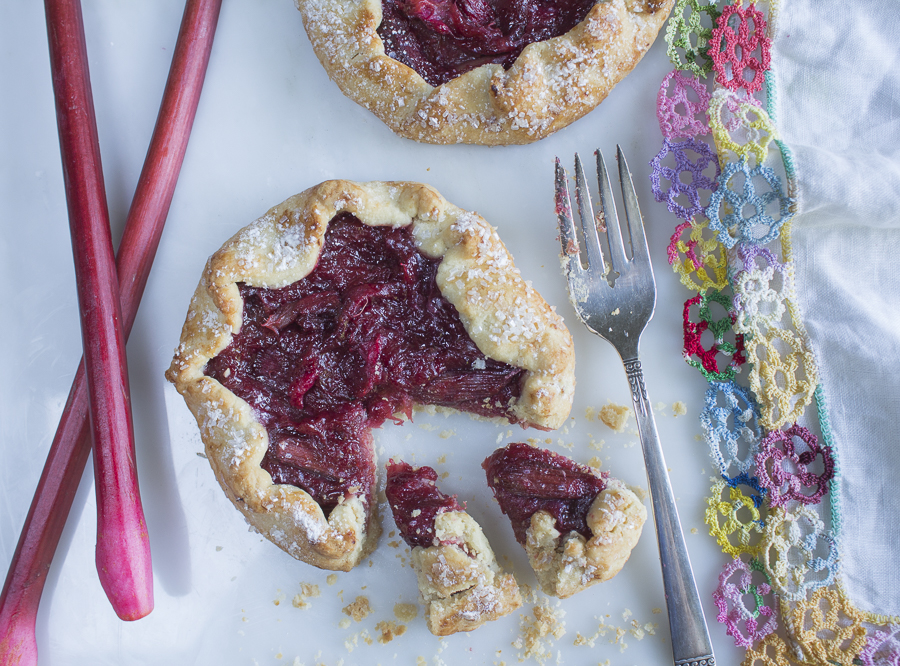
506	318
568	564
550	85
460	582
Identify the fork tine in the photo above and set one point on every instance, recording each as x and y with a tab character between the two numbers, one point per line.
587	219
613	233
568	241
633	218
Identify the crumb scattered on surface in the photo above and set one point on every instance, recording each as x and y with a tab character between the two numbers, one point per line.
389	630
406	612
595	462
332	579
679	408
539	633
590	413
359	609
615	416
447	434
279	597
307	590
344	623
693	530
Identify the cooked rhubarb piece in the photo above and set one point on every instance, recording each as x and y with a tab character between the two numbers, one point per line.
458	576
416	501
578	525
365	335
442	39
526	480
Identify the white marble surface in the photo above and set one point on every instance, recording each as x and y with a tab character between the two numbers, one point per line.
271	124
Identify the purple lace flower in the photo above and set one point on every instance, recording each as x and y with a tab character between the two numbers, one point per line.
882	647
784	469
684	166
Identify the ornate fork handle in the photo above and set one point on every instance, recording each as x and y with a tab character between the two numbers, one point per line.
690	637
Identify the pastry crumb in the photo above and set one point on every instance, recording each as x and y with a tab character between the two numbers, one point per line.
539	633
679	408
389	630
359	609
332	579
406	612
307	590
615	416
595	462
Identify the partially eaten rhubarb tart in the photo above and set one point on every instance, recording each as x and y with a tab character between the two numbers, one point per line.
339	309
489	72
578	525
459	578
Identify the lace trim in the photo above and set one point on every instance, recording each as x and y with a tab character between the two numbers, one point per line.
776	508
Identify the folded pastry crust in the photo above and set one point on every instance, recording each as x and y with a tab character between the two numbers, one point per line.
566	564
550	85
504	316
459	580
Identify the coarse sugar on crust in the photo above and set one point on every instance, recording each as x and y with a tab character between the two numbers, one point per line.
504	317
566	564
550	85
459	579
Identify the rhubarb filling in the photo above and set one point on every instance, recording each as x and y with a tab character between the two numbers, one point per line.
416	501
526	480
442	39
357	341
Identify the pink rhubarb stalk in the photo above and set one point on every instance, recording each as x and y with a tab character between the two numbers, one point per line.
123	547
69	452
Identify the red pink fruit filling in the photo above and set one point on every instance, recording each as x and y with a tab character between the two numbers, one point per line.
442	39
416	501
526	480
361	338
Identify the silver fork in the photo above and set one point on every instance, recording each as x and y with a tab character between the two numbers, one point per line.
615	300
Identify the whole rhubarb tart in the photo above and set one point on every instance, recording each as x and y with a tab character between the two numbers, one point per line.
337	310
489	72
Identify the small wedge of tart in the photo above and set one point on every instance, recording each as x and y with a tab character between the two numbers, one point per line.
486	72
578	525
339	309
458	576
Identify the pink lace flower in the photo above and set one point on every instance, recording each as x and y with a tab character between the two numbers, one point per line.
747	38
746	625
785	470
681	106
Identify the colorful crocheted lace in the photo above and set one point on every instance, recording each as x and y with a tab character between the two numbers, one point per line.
773	509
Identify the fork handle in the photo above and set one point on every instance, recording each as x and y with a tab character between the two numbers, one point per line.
691	645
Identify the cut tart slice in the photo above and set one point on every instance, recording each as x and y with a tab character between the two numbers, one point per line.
458	576
339	309
578	525
489	72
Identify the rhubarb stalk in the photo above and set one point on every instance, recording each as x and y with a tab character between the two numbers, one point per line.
71	445
123	547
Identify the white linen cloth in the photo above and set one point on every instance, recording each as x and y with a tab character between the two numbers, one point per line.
837	68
